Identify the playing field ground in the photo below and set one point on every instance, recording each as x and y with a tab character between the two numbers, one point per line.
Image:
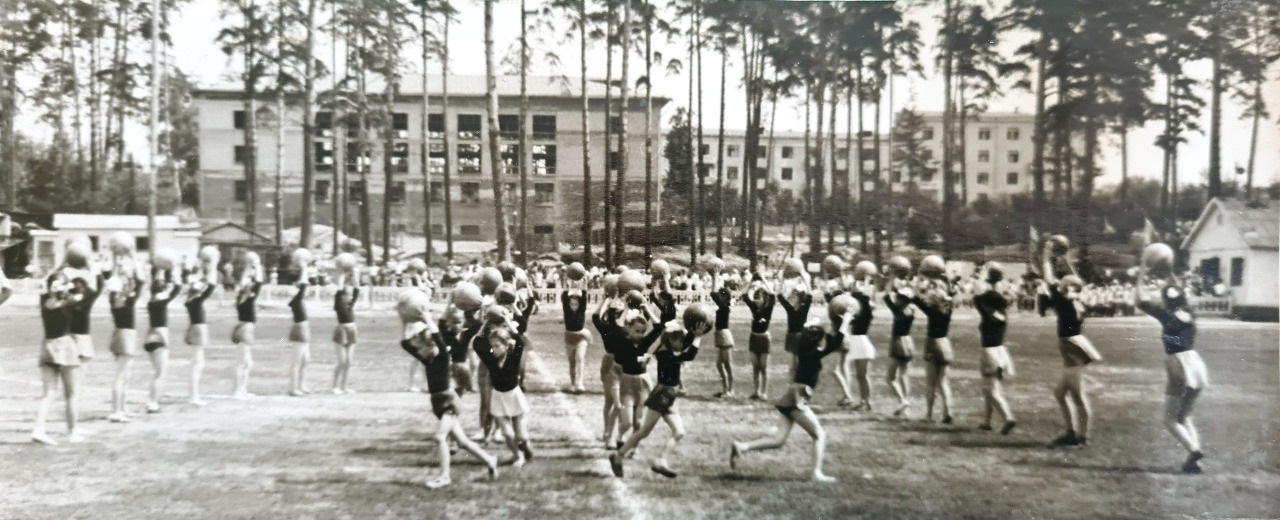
367	455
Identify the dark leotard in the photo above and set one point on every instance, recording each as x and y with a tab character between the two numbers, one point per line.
991	327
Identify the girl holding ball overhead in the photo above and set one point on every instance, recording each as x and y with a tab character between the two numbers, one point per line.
1187	374
858	350
573	301
935	300
247	313
723	299
901	347
164	289
199	287
1077	351
300	334
344	333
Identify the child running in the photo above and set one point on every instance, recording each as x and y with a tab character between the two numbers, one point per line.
1186	371
1077	351
59	358
163	291
760	300
679	345
814	344
995	363
425	344
501	349
901	347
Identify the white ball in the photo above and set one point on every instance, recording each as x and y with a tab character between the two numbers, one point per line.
164	259
121	243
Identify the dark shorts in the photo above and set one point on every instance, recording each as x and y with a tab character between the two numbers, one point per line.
793	339
243	333
444	403
157	338
1077	351
344	334
795	398
300	332
662	399
759	343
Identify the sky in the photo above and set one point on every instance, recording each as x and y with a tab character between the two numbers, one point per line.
195	52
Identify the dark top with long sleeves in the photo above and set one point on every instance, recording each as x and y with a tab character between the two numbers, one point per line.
611	336
862	319
574	320
503	375
669	362
628	353
124	316
346	310
1070	320
724	303
1176	334
991	306
666	304
56	322
80	310
903	317
195	305
247	303
937	318
797	315
809	359
297	306
158	307
761	314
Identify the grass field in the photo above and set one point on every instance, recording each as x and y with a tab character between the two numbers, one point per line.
367	455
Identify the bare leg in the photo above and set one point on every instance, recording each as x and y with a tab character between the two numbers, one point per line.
861	367
159	361
724	366
931	388
346	367
70	380
118	391
1060	393
999	402
627	413
242	371
49	379
841	371
1177	418
301	357
988	399
517	458
769	443
676	424
413	375
1075	382
579	360
945	386
340	367
197	370
892	377
809	422
449	426
646	427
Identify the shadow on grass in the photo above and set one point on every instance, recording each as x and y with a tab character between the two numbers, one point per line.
747	477
1106	468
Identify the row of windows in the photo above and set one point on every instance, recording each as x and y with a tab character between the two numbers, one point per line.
472	229
985	156
984	134
469	158
1010	178
469	125
542	194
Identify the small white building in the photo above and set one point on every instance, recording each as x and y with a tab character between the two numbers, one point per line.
1238	244
48	244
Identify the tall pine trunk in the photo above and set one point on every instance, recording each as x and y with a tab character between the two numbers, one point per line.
721	192
448	141
277	210
424	131
607	237
819	189
699	172
588	258
624	159
1215	107
308	125
948	134
1038	130
831	153
648	131
524	134
495	145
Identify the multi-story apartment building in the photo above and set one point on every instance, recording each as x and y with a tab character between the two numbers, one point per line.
996	164
554	156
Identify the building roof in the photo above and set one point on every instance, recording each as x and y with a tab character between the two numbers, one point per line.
116	222
232	233
989	117
1258	224
508	86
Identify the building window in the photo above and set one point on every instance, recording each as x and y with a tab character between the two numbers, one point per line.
927	134
544	128
788	152
787	174
322	191
982	197
241	189
842	153
470	193
615	125
1012	134
926	176
984	178
240	154
354	163
984	134
436	158
731	150
509	126
238	119
544	229
468	159
437	192
141	243
544	194
324	124
615	161
469	126
984	156
324	155
437	229
469	229
544	159
704	149
762	152
395	193
400	157
356	191
1011	178
927	154
510	192
400	125
732	173
895	176
435	126
868	154
1013	157
1237	272
761	173
511	159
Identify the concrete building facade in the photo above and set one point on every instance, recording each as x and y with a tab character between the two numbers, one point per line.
554	156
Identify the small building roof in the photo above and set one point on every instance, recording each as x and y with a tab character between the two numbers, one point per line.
471	86
1258	224
116	222
231	233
